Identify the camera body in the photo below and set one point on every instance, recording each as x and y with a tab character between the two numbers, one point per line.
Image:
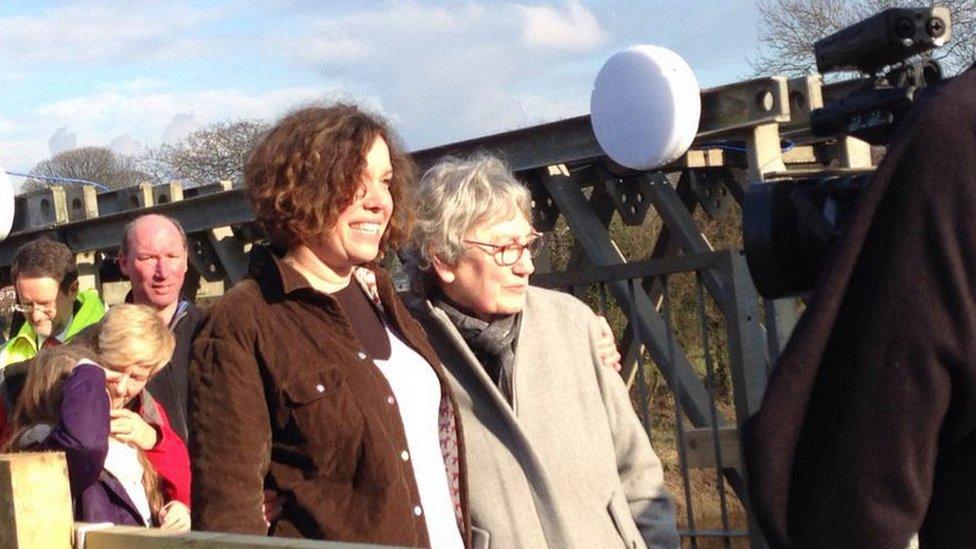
884	39
790	225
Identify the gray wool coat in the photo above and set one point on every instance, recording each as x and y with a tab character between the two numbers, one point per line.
569	464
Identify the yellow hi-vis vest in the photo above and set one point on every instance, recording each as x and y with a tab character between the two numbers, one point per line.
23	346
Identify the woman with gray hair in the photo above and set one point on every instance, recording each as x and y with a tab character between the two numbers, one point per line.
556	455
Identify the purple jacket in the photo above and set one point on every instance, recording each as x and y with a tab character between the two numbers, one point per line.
82	434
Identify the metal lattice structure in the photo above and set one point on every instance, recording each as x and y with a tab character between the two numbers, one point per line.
569	176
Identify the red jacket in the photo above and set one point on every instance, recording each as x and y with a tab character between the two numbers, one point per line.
169	457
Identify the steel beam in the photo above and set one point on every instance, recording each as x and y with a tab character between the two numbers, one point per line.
726	110
103	232
230	252
676	208
749	366
682	228
565	141
660	342
607	273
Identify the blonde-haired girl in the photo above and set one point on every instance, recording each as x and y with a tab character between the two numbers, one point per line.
88	399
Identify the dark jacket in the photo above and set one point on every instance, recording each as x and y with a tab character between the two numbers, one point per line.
82	434
169	385
282	396
867	431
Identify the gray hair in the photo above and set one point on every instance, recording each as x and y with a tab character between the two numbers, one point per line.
454	196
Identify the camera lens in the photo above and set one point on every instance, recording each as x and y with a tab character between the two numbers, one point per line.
905	28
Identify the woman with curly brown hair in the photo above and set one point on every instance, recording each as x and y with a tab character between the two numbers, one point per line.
311	378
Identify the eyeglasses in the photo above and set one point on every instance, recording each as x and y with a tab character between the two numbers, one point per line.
509	254
29	309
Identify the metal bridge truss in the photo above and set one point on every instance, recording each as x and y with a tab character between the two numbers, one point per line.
569	176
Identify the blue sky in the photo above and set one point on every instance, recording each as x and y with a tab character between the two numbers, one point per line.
134	74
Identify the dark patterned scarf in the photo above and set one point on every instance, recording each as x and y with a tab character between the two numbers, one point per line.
493	343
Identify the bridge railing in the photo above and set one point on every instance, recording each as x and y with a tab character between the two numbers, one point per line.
36	513
695	427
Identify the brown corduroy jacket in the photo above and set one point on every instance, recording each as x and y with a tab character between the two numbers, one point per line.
282	396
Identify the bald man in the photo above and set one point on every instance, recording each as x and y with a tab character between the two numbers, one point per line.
153	255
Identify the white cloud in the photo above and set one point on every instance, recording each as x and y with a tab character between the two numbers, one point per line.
61	141
102	31
147	118
450	72
441	71
20	155
182	125
573	29
138	85
326	49
125	145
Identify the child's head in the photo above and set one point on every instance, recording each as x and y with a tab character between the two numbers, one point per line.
40	399
132	344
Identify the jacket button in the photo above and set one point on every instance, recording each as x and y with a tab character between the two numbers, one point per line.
418	511
390	400
361	355
405	455
320	388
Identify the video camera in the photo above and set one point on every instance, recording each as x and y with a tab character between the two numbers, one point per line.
790	225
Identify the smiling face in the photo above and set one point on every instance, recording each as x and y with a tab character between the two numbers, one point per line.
154	262
477	282
356	236
51	308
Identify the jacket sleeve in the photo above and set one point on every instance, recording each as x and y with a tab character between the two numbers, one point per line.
230	429
83	426
171	460
640	470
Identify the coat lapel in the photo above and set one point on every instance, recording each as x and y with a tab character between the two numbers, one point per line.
115	490
449	331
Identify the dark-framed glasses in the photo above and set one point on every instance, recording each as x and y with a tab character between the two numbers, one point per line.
509	254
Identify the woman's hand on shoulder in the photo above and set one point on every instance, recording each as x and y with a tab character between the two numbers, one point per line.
606	347
175	516
129	427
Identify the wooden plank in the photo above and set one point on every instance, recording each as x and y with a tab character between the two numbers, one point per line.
35	501
701	449
124	537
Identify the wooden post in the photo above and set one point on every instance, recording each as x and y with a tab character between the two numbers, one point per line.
35	501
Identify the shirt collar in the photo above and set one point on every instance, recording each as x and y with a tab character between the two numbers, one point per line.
61	336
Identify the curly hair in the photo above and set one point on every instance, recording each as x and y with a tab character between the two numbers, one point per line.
306	170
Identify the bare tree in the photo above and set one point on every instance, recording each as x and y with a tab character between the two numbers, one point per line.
96	164
792	26
208	155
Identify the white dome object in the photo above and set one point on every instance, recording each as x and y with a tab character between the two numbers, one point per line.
645	107
6	204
